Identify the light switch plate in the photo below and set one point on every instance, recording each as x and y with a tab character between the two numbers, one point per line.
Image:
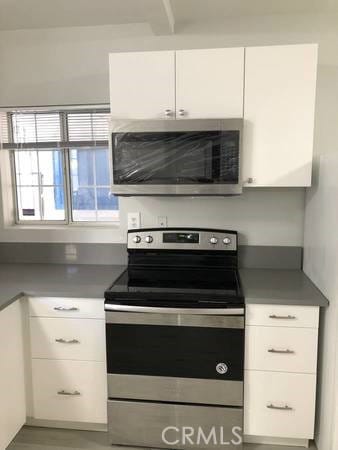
162	221
134	220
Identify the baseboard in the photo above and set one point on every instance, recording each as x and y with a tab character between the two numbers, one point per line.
276	441
66	425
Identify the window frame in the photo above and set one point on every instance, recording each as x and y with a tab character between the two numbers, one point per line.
65	149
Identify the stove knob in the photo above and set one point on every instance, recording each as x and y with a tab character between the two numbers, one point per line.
149	239
136	239
213	240
226	241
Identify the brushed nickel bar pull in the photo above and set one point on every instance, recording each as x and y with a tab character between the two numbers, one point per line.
74	393
287	351
281	408
62	308
288	317
64	341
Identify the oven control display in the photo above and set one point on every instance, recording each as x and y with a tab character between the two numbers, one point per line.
181	238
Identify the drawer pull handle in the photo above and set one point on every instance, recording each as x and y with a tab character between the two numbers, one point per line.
74	393
62	308
64	341
281	408
287	351
288	317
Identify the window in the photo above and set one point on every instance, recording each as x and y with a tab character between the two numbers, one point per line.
61	169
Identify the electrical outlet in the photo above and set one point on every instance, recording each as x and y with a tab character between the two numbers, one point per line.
162	221
134	220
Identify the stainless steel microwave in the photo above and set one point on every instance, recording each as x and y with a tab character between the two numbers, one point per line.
176	157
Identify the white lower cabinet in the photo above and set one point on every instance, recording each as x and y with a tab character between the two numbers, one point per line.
12	376
75	339
68	362
279	404
281	345
69	390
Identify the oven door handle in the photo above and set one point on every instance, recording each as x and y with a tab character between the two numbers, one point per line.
191	311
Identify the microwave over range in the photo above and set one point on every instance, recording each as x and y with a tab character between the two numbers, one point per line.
176	157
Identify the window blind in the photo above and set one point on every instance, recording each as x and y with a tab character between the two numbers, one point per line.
55	129
88	126
3	128
36	128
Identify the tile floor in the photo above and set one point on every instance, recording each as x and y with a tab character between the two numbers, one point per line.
32	438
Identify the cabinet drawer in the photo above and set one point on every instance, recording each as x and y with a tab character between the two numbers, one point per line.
283	316
76	339
84	381
279	404
281	349
66	307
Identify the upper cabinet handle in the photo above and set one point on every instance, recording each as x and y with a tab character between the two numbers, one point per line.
283	408
62	308
63	392
287	351
181	112
289	317
64	341
168	112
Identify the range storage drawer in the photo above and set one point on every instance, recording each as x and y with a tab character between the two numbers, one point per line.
281	349
283	316
75	339
279	405
162	425
69	391
66	307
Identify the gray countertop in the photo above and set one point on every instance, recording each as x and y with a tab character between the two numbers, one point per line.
90	281
280	287
55	280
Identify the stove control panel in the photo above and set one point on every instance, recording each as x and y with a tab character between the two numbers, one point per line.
182	239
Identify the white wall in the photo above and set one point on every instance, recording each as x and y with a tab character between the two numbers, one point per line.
70	66
321	265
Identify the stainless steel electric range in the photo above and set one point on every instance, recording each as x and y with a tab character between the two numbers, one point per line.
175	341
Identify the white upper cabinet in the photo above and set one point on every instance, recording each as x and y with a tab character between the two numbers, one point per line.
279	104
209	83
142	85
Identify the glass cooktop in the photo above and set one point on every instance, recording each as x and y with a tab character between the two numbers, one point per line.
183	285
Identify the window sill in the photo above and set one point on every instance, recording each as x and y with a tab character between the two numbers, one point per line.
93	233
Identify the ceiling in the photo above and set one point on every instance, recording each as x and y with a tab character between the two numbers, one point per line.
160	14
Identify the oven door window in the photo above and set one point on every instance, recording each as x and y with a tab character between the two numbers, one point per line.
176	157
170	351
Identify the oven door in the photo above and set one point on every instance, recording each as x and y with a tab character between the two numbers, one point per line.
180	157
184	358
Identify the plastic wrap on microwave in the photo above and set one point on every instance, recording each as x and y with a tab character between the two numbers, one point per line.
185	157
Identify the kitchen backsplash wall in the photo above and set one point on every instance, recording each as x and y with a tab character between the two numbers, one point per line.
262	216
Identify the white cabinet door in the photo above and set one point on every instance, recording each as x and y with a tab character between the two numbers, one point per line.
70	390
279	103
142	85
279	404
209	83
64	307
75	339
281	349
12	393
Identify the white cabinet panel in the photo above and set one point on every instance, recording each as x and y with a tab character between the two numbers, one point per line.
281	349
12	393
66	307
265	391
76	339
84	381
142	84
209	83
279	102
283	316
